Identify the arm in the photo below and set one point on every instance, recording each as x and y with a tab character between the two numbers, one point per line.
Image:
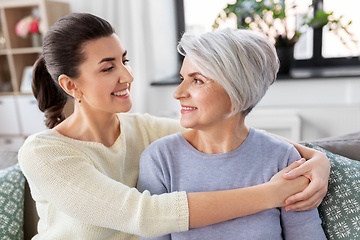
64	178
317	170
301	225
206	208
213	207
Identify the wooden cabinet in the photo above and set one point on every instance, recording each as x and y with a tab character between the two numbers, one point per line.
16	52
19	115
9	124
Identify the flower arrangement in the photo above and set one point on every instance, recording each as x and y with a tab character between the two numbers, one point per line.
28	24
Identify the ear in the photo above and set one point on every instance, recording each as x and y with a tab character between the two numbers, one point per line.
69	86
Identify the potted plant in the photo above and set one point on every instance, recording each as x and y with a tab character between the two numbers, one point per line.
273	18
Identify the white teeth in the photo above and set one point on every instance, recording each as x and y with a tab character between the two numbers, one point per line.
188	108
120	93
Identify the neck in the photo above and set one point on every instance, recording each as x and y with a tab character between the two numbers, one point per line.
224	137
88	126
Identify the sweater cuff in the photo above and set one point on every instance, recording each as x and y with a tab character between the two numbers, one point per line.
184	212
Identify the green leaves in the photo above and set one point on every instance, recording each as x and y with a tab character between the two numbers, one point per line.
267	15
259	15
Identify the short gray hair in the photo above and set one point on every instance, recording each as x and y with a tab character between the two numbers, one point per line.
243	62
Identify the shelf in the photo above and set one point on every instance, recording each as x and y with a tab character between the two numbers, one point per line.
322	73
16	54
25	50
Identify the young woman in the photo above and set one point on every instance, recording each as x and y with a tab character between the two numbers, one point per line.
83	170
224	75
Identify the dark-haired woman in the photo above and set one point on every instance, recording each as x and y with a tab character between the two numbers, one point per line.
83	170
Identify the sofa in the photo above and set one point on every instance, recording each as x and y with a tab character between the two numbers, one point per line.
339	211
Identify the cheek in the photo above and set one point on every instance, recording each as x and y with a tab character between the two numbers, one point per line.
221	102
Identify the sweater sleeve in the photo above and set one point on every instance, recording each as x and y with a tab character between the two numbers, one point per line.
60	174
152	177
304	224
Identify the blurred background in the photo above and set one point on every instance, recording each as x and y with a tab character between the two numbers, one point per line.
316	96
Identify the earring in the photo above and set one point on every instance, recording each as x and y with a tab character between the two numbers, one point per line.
79	100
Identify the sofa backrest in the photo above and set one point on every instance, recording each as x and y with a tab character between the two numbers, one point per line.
346	145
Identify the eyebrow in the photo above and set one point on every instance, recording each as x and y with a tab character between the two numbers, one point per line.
112	58
195	73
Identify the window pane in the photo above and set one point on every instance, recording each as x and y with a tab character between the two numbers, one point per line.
200	15
304	46
332	44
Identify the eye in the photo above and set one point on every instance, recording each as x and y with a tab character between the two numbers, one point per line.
108	69
126	61
198	81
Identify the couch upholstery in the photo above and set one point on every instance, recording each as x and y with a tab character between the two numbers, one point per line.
347	146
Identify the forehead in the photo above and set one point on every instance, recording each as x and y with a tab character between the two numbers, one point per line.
104	47
188	65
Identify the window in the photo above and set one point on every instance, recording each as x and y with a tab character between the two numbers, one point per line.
321	47
316	48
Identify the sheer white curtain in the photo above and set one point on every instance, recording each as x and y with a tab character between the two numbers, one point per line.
147	29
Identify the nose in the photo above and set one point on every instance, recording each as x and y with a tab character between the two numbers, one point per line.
181	91
126	74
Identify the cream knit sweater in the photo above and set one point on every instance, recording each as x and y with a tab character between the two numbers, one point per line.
84	190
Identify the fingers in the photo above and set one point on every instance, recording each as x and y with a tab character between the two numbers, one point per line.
305	200
305	205
293	166
297	171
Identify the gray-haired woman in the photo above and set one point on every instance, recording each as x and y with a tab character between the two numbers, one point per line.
224	75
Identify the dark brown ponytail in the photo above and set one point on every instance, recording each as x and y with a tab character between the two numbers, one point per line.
63	53
51	98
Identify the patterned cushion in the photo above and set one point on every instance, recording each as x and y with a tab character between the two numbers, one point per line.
340	209
12	184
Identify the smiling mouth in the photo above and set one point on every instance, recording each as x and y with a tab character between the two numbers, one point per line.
120	93
188	108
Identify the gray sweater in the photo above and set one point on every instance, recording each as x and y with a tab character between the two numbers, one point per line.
172	164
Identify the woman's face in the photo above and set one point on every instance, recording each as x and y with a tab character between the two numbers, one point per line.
204	103
105	76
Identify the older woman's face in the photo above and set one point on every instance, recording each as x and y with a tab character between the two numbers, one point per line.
204	103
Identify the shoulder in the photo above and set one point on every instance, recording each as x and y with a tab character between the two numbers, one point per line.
165	144
47	137
146	124
45	146
146	118
277	147
269	141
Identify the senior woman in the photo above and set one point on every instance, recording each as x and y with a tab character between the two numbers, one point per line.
224	75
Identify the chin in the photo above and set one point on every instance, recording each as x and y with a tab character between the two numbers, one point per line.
125	109
187	124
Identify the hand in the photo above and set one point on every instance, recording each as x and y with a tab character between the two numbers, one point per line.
283	188
317	170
